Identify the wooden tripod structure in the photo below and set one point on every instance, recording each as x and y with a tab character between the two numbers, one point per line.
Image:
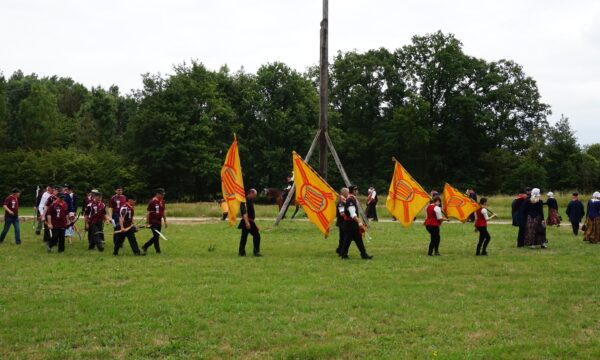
322	136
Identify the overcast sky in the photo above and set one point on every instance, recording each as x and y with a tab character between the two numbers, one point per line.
107	42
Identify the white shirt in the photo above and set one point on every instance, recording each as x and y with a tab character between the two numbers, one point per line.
43	201
485	214
438	212
352	211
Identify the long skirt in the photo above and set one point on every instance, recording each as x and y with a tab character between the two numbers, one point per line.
593	231
553	218
533	235
587	226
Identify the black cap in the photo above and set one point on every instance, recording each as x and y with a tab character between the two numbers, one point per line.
351	188
15	190
159	191
67	186
61	196
575	194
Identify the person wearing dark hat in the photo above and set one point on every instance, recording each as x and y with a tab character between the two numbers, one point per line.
353	225
154	219
126	228
11	215
575	212
433	221
519	219
57	221
248	225
95	216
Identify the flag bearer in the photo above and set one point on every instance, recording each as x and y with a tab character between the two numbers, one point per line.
248	225
353	224
433	221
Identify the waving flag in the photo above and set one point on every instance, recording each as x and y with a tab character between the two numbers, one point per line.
457	205
406	198
314	194
232	183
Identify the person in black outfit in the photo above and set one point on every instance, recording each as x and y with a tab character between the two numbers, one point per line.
575	212
372	204
352	225
340	215
248	226
519	219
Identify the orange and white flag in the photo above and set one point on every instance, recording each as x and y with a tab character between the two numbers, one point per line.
314	194
232	183
406	198
458	205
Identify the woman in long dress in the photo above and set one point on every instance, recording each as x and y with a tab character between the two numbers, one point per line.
535	231
592	233
553	217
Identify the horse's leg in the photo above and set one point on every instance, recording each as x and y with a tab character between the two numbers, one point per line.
295	212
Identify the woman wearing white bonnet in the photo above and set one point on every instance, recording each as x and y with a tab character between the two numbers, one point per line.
592	233
553	217
535	230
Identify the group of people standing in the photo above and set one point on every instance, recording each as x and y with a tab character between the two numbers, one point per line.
528	216
56	210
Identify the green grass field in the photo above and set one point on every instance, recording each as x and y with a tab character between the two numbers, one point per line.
301	301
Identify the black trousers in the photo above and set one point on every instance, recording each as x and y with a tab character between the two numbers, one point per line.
47	238
484	240
341	240
255	239
120	239
575	228
58	238
521	236
155	240
351	233
372	211
434	236
96	236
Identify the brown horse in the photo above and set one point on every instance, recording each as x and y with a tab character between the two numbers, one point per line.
278	196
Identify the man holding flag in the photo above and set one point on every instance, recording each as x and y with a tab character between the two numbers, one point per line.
248	225
353	225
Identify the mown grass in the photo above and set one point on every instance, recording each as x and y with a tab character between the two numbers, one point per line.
301	301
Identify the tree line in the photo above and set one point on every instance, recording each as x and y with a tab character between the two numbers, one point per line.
445	115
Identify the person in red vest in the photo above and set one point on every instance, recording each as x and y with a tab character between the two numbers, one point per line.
154	219
57	222
434	220
482	216
11	215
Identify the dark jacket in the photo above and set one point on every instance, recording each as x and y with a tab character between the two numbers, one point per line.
552	203
575	211
518	206
533	210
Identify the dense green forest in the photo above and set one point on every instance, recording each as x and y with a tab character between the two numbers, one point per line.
445	115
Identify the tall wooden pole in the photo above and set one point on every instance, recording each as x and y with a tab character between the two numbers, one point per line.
324	90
